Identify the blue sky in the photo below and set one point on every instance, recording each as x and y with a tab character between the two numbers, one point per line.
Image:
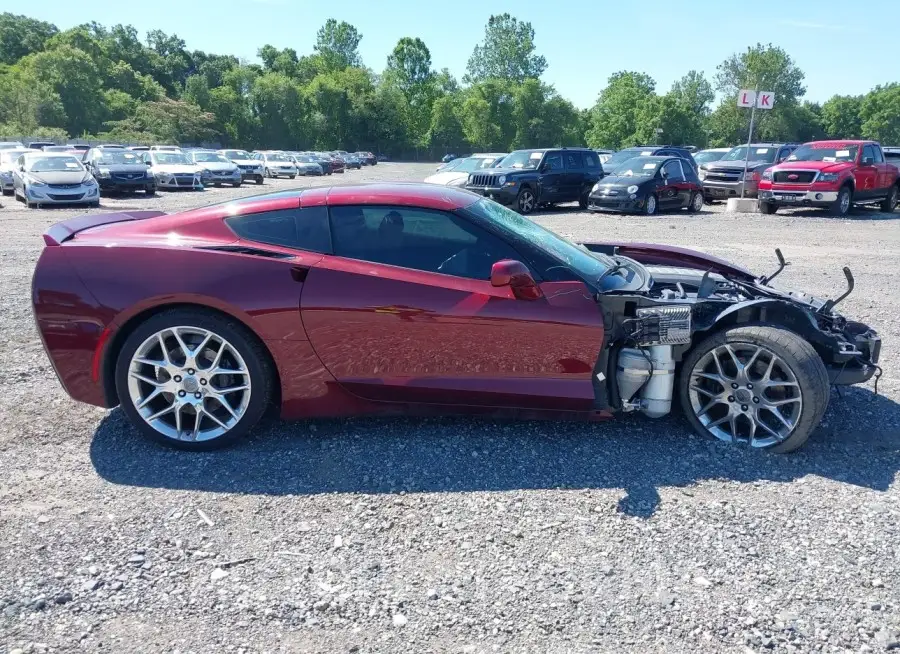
584	41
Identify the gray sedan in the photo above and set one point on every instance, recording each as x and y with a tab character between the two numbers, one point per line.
216	168
306	165
45	178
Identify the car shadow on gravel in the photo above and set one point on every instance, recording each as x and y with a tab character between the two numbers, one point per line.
858	443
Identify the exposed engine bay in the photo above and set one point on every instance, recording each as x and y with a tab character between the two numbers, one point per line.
656	316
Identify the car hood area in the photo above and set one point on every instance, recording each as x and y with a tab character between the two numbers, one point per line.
218	166
60	177
176	169
822	166
447	178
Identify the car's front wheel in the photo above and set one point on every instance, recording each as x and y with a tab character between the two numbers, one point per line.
768	208
525	201
193	379
650	205
841	206
760	386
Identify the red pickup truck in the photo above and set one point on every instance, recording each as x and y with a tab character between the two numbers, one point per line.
831	174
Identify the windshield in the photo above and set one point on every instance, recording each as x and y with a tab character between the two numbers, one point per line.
830	152
587	265
9	156
53	164
305	159
471	164
170	158
639	167
118	157
209	156
622	156
757	153
522	159
706	157
237	154
278	157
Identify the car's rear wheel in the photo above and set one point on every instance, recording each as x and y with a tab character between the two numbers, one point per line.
583	198
768	208
696	203
193	380
525	201
841	206
650	205
760	386
259	180
890	202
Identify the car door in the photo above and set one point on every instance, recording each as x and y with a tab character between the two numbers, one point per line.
553	174
574	175
673	186
885	180
866	174
404	311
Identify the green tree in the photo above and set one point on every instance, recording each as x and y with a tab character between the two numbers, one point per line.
614	119
446	129
338	45
507	52
487	115
27	102
279	61
542	118
75	77
281	110
694	92
21	36
196	90
409	69
841	117
880	114
171	121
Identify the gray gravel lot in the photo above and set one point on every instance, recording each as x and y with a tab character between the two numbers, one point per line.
458	535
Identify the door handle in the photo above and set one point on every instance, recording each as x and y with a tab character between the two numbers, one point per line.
299	273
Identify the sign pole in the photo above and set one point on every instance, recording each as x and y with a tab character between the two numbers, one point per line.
747	155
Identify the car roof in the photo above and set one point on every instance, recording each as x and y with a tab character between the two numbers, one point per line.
840	142
40	154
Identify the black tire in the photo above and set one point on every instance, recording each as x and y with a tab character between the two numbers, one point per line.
236	185
525	201
259	180
95	204
291	176
841	206
259	365
696	203
794	351
583	198
217	184
149	192
890	202
651	205
768	208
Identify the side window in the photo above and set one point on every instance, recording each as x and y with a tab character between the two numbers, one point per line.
555	161
574	161
304	229
591	160
674	170
419	239
868	152
877	151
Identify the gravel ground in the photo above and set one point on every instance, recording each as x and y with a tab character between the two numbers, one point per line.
458	535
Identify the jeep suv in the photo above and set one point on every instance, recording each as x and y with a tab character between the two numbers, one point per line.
528	179
724	178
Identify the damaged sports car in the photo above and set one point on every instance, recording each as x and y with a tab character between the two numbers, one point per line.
409	299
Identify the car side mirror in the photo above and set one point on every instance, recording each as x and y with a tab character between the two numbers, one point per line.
663	173
868	161
545	167
515	274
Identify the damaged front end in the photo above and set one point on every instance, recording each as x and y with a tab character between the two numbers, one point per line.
689	296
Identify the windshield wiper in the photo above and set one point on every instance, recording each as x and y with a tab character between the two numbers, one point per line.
609	271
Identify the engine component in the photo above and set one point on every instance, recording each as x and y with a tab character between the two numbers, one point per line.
649	374
663	326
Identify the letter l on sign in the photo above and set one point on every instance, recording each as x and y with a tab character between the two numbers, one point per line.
746	98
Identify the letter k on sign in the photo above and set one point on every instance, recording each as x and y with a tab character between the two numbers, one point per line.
765	100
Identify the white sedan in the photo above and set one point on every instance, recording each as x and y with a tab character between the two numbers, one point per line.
41	178
456	173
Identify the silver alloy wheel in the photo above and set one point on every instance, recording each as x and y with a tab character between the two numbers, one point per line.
526	201
744	393
845	201
698	201
189	383
651	205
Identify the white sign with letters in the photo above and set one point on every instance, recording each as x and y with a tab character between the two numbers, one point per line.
746	98
765	99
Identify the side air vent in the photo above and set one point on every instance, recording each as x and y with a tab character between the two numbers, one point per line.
243	249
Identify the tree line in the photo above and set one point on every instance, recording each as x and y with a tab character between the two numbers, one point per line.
105	83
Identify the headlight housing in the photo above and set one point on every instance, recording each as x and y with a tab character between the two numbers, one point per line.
34	182
701	173
89	181
827	177
104	172
767	175
595	187
501	180
632	189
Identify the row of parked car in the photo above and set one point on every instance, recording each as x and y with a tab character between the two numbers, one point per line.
62	174
646	179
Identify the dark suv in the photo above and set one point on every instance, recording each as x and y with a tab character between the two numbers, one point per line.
527	179
620	157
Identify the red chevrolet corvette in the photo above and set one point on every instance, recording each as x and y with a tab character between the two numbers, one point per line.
416	298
